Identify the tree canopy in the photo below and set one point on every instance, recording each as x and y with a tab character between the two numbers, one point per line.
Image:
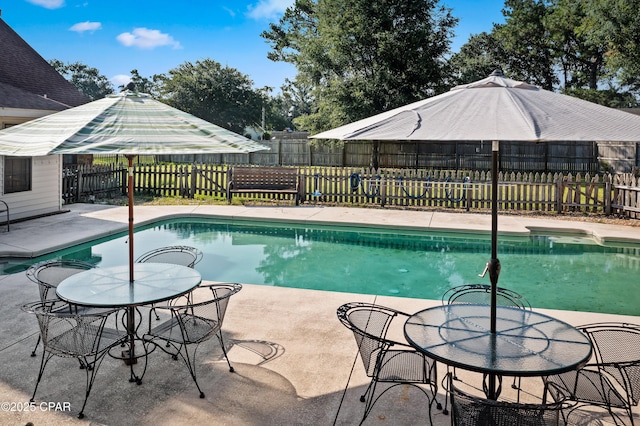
86	79
573	46
363	57
220	95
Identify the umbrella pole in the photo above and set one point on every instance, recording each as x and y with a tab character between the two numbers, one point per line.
494	263
130	193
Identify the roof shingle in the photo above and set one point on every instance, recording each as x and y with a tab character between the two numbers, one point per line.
35	83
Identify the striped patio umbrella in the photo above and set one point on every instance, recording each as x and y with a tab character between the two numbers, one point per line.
129	123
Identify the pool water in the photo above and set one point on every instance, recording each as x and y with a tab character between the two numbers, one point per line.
552	271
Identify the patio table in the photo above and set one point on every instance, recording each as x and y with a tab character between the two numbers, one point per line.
111	288
526	343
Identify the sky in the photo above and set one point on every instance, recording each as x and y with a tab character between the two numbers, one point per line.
155	36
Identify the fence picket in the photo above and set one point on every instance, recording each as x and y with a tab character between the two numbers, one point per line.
618	194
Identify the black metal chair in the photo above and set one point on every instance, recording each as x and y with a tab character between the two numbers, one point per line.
470	410
613	380
68	334
481	294
49	273
191	323
386	360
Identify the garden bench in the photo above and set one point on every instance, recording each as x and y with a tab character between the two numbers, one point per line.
263	180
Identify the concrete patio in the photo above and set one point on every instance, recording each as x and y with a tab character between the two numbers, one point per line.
295	364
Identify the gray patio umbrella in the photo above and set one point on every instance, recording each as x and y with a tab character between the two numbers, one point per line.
494	109
129	123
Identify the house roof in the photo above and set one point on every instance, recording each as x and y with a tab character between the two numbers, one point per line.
27	80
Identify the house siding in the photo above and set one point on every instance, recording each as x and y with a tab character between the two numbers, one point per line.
44	197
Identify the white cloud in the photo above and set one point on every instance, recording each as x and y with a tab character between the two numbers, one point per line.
145	38
120	80
268	9
86	26
49	4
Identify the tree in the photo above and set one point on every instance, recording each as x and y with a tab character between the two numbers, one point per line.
476	59
581	57
220	95
617	24
144	84
86	79
527	42
363	57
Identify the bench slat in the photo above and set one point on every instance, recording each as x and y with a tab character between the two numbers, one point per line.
257	180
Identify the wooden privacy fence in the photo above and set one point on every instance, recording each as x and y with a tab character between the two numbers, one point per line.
544	192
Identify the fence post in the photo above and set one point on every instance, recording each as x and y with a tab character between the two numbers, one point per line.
192	187
559	190
76	196
467	198
123	181
607	195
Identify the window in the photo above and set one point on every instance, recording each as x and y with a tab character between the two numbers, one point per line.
17	174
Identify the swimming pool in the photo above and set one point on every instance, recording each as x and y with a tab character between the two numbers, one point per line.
552	271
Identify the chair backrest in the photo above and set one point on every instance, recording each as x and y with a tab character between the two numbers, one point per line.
66	333
203	317
470	410
617	350
178	255
50	273
369	324
481	294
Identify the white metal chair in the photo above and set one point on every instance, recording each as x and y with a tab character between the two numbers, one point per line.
191	323
49	274
176	255
66	333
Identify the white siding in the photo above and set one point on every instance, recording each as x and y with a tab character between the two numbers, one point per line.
46	189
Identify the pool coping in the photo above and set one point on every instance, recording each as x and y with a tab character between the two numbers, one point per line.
86	222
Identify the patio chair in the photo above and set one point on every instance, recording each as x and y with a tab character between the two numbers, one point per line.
386	360
68	334
191	323
613	380
481	294
49	274
177	255
470	410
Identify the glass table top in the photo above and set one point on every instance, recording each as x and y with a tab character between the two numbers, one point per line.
526	343
110	287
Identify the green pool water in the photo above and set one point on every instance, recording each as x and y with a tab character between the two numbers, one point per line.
551	271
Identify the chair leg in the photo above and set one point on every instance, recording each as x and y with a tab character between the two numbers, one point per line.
33	353
92	370
516	385
190	360
43	363
224	350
